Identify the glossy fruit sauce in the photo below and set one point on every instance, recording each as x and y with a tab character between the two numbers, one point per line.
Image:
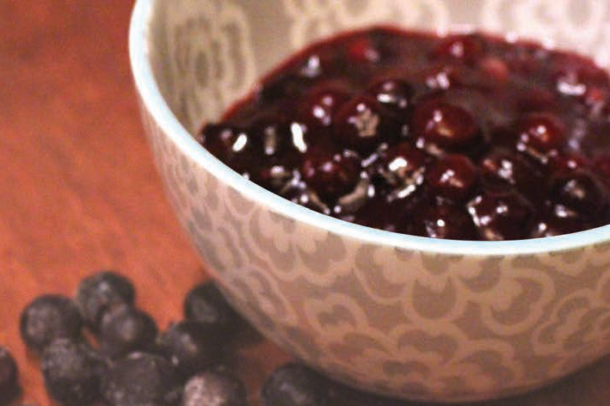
466	137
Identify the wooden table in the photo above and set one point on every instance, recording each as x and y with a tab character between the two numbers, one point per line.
78	190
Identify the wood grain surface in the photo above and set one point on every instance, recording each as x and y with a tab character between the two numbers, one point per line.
79	192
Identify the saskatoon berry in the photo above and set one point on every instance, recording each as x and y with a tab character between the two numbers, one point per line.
501	215
191	347
9	379
295	385
394	94
142	379
330	174
72	372
206	305
403	164
214	388
444	124
126	329
321	105
98	293
269	134
227	143
502	168
363	123
559	220
444	221
467	48
47	318
452	177
580	191
540	133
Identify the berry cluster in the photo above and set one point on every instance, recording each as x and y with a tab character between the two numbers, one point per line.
130	364
463	137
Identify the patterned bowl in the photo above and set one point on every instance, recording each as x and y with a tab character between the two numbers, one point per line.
400	315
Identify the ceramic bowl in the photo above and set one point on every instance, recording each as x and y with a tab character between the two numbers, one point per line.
400	315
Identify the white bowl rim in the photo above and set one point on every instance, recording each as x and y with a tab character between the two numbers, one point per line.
155	103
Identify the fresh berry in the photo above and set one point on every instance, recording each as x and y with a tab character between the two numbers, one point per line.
444	221
9	378
445	125
330	174
452	177
294	385
48	318
394	94
126	329
98	293
72	372
191	347
206	305
501	216
214	388
363	123
142	379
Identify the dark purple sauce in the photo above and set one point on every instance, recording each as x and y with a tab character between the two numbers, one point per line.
463	137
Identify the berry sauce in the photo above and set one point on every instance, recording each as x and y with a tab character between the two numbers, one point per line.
466	137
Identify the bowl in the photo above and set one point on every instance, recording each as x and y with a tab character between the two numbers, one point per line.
395	314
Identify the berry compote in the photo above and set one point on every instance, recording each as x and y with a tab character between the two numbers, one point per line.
466	136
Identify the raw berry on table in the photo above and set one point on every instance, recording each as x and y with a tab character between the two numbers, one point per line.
98	293
295	385
205	304
214	388
72	372
47	318
142	379
126	329
9	379
191	346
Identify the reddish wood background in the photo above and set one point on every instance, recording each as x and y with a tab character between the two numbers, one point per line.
78	190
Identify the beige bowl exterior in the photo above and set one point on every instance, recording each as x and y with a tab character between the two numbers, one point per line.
399	315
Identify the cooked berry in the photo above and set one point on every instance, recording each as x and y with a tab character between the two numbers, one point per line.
9	379
47	318
580	191
444	221
395	94
559	220
142	379
452	177
501	215
365	126
206	305
126	329
403	165
72	372
191	347
444	124
363	123
214	388
540	133
503	168
100	292
322	103
229	143
294	385
463	47
330	174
